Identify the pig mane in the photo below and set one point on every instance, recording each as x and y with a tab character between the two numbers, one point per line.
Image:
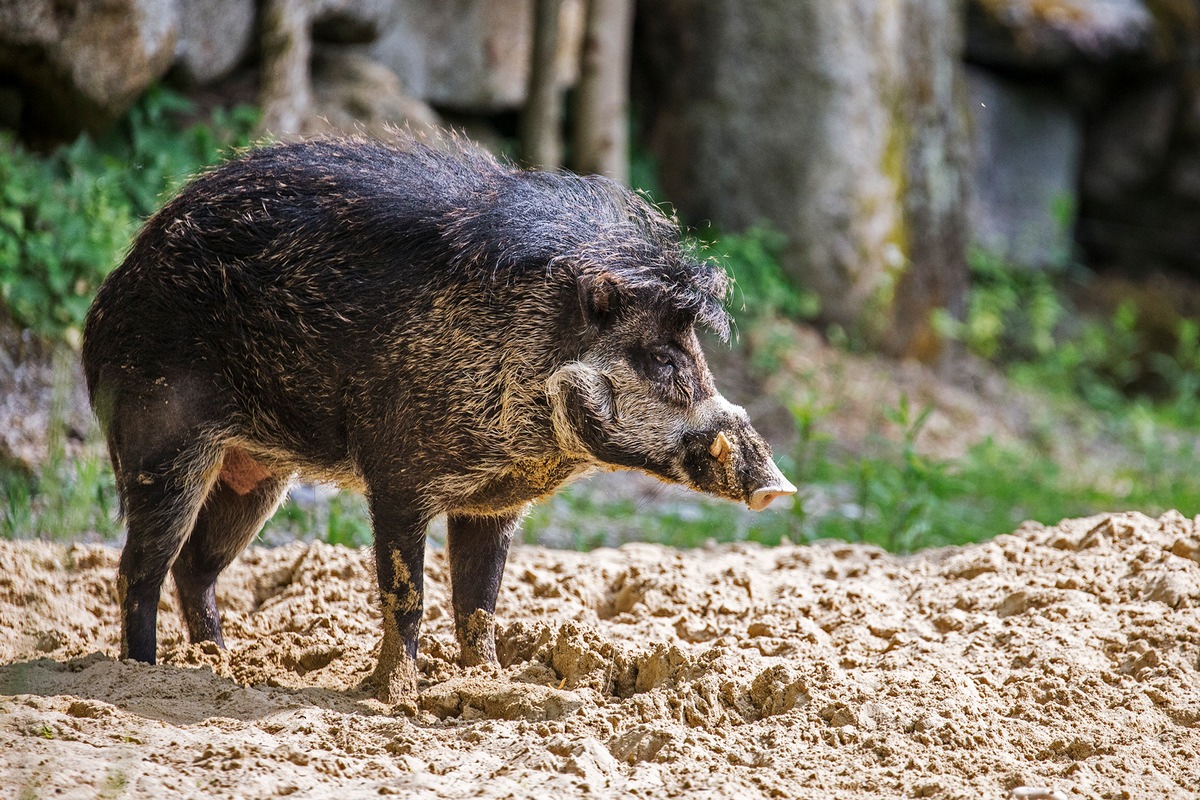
450	202
528	222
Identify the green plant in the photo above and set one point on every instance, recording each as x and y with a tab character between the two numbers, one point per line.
891	493
330	516
66	218
911	496
805	464
761	287
60	230
1012	312
1022	319
1180	374
69	498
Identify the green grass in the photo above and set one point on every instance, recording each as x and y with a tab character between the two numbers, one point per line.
904	502
581	518
1026	321
70	497
333	517
67	501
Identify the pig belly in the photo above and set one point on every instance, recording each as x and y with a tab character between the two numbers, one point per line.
240	472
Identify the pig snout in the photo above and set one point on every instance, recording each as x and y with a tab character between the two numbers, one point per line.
763	496
731	460
760	468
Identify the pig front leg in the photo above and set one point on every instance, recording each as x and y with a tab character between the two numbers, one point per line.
477	548
400	567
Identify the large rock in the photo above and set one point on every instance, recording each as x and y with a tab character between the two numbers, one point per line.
1092	105
43	402
472	55
1129	143
214	36
1140	184
353	93
1027	145
82	63
1141	178
350	21
839	123
1053	34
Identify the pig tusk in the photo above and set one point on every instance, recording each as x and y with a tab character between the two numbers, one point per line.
721	448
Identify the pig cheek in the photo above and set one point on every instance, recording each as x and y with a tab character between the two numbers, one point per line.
652	437
647	433
581	406
708	475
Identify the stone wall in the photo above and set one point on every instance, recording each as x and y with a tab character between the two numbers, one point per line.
840	124
1086	120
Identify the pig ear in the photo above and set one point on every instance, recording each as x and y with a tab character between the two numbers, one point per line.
599	297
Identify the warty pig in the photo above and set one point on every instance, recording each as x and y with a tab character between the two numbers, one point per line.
444	332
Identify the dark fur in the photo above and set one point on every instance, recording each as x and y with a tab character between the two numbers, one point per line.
448	333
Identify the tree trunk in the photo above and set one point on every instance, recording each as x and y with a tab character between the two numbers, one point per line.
842	125
286	90
601	140
930	123
541	120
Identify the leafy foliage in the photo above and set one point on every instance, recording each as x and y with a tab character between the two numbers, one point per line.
1025	320
329	515
1012	312
761	287
65	219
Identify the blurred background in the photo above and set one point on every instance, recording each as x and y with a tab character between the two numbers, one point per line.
965	234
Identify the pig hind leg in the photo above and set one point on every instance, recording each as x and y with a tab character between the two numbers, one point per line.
164	465
242	499
477	549
161	501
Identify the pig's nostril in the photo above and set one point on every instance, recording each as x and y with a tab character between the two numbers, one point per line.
761	498
764	497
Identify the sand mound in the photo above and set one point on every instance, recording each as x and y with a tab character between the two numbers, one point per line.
1064	658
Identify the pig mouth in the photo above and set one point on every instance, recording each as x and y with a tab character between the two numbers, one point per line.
767	484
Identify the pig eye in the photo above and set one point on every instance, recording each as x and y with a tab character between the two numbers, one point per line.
662	359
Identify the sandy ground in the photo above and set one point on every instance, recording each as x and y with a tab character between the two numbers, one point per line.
1062	658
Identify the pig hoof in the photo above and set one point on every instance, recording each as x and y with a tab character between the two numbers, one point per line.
395	684
477	639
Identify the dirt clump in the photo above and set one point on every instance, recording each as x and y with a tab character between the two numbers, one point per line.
1059	657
